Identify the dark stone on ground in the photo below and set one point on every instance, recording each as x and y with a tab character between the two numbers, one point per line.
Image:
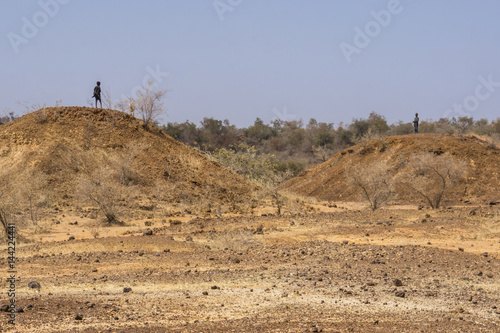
34	285
398	283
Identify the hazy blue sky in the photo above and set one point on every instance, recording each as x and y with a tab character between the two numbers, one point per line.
241	59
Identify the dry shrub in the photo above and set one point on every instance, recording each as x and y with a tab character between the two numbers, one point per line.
64	157
11	206
124	163
375	182
94	229
33	193
99	189
148	103
236	240
431	176
41	116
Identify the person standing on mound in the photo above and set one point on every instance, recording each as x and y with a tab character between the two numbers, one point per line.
97	94
415	123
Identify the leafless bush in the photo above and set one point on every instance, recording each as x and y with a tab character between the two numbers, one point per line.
374	181
6	205
29	108
99	189
431	176
235	240
31	190
107	101
94	229
127	105
148	103
321	153
125	161
41	116
4	219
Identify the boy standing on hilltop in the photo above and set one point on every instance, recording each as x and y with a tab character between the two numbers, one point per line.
97	94
415	123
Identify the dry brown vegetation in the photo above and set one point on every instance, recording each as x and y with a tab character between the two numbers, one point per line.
203	249
329	180
431	176
375	181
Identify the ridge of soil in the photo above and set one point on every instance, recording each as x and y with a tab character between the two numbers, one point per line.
329	180
65	142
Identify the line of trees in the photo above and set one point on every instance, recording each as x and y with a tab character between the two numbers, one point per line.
297	146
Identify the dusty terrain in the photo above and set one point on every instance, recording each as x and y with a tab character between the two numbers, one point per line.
64	145
340	269
329	180
199	248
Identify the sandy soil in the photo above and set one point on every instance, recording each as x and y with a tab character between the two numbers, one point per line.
341	268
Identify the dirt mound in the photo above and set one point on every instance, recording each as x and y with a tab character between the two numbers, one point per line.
329	180
64	144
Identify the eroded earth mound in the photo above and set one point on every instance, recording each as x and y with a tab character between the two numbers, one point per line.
66	146
330	180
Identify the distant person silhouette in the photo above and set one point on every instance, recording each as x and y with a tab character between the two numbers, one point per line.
97	94
415	123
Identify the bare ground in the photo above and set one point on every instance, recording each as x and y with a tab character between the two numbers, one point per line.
337	269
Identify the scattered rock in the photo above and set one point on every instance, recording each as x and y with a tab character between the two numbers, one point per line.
400	293
175	222
127	290
147	232
189	238
461	249
259	230
78	317
4	308
398	283
34	285
71	238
